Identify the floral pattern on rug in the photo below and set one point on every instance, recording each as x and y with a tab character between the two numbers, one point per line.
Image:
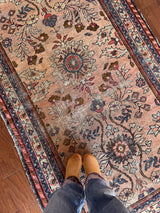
87	89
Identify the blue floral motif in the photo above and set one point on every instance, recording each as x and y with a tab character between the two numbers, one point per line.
140	82
97	105
152	161
155	69
50	21
120	10
116	182
7	42
126	114
137	39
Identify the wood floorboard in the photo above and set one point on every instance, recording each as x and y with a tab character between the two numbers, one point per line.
150	10
16	195
9	162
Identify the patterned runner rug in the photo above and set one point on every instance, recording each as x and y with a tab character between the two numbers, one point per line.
79	76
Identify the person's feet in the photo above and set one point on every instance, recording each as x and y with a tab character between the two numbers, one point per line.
74	165
90	164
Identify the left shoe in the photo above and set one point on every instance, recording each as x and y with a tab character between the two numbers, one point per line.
74	165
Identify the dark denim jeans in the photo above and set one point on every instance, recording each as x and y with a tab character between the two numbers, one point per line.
70	198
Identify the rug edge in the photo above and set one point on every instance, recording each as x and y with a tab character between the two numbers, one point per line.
5	114
149	34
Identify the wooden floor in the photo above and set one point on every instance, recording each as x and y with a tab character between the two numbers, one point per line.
16	195
150	10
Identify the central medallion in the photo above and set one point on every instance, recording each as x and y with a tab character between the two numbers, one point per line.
73	63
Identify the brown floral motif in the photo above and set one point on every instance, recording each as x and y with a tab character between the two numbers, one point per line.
54	98
136	99
68	24
79	101
14	64
79	27
103	88
67	97
106	76
93	27
113	66
43	37
39	48
32	60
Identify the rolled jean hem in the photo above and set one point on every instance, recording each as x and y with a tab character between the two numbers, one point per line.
93	175
72	179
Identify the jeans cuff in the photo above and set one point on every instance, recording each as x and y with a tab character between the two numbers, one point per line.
72	179
93	175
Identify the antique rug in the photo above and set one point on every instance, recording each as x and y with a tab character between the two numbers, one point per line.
79	76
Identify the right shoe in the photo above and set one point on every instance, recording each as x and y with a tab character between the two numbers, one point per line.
90	164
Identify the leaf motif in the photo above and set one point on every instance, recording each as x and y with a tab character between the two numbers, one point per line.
105	66
123	66
138	135
116	190
132	64
88	34
59	36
